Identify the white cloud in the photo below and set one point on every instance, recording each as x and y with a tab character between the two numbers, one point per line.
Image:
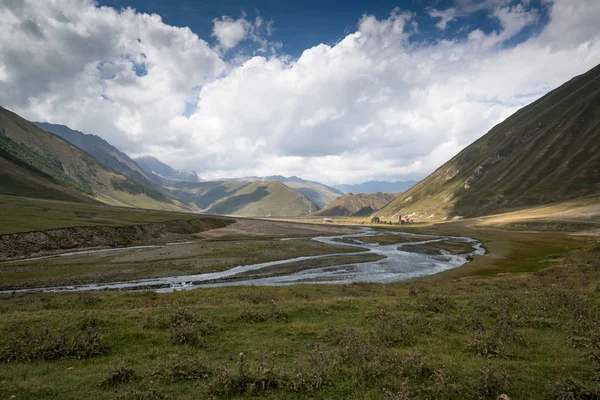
445	16
372	106
230	32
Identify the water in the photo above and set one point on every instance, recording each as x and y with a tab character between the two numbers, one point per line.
398	265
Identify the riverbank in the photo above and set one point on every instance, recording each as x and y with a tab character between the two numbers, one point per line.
525	335
521	320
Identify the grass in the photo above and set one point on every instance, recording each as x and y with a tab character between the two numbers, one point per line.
528	336
293	267
194	258
23	215
437	248
522	320
385	239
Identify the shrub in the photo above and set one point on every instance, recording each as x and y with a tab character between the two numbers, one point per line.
185	327
27	344
492	383
119	375
180	369
485	344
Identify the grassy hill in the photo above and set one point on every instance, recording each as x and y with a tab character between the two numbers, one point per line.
39	164
105	153
549	151
242	198
316	192
356	204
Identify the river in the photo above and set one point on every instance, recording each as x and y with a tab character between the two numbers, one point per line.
397	265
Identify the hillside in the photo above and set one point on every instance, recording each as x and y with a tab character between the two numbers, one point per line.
355	205
40	164
105	153
549	151
372	187
241	198
316	192
162	173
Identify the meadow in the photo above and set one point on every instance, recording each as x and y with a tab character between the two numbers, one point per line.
523	320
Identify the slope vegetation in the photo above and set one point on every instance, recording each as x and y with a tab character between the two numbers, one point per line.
241	198
360	204
316	192
105	153
547	152
40	164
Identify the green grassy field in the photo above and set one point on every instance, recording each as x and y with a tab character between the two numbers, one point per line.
22	215
529	336
523	320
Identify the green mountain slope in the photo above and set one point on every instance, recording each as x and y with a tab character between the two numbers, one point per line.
316	192
242	198
360	204
105	153
20	180
61	169
548	151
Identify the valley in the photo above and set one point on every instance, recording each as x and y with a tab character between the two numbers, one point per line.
122	277
477	325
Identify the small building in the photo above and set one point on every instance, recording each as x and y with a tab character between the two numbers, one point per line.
327	220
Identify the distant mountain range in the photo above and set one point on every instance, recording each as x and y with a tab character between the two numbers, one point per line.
244	198
53	161
317	192
356	205
161	172
546	152
549	151
377	187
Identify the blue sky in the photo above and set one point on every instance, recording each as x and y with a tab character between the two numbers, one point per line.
329	91
299	25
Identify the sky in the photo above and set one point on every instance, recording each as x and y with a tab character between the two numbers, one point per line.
339	92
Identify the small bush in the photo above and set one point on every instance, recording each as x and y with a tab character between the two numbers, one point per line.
568	388
180	369
27	344
485	344
119	375
137	394
393	330
435	304
492	383
186	328
252	315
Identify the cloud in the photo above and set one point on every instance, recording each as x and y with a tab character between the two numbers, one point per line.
230	32
445	16
374	105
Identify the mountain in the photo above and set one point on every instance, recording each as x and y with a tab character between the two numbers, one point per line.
355	205
316	192
160	172
243	198
376	187
39	164
105	153
549	151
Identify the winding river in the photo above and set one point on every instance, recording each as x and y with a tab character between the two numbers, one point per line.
396	266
